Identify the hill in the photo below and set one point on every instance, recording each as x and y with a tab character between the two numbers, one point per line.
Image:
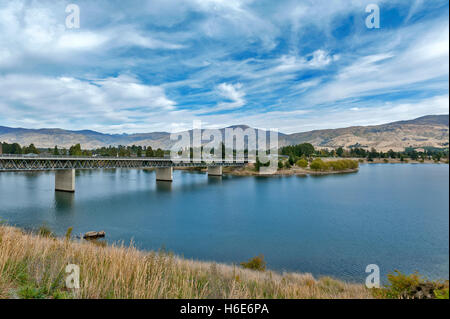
431	131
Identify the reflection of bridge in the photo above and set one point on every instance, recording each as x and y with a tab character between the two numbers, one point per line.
65	166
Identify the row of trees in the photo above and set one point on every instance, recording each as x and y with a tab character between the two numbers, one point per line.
76	150
128	151
307	150
293	152
15	148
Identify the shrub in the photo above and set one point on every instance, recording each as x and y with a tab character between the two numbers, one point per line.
338	165
412	286
318	165
45	231
255	263
280	164
69	233
302	163
287	164
441	293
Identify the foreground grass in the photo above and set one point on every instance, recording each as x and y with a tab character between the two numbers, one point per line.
33	266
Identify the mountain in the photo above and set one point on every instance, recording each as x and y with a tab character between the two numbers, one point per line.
431	130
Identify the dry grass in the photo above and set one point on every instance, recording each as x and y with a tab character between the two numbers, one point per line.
32	266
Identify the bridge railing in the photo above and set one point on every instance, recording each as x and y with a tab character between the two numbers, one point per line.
102	158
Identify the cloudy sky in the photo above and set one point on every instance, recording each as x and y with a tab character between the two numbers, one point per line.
158	65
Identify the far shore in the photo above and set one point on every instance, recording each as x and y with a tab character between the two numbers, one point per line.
249	170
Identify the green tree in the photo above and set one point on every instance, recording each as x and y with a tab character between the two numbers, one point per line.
280	164
159	153
30	149
302	163
149	152
55	150
75	150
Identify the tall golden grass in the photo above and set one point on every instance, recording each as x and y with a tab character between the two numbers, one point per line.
34	266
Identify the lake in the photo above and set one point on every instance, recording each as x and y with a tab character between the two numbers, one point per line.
392	215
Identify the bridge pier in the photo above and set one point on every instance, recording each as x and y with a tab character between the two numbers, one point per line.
65	180
214	170
164	174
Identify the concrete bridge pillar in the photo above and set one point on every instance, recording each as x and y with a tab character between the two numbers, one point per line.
164	174
65	180
214	170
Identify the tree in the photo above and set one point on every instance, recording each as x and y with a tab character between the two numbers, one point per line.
75	150
280	164
159	153
340	151
149	152
302	163
305	149
30	149
55	150
291	160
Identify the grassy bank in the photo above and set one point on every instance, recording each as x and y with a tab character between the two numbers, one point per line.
33	266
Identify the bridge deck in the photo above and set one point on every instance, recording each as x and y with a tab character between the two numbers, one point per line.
27	163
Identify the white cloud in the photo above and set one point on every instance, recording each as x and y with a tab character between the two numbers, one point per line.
234	95
424	59
66	101
320	58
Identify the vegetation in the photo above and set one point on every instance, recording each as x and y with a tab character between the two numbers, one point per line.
32	266
295	152
17	149
256	263
338	165
302	163
412	286
45	231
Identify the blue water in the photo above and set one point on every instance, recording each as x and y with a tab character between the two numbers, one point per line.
392	215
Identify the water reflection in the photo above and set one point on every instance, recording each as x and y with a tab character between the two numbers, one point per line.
214	180
64	202
163	186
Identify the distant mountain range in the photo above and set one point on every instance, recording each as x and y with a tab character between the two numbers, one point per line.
431	131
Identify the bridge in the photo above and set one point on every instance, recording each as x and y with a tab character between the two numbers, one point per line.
65	166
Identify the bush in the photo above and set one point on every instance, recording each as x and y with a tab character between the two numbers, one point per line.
318	165
255	263
280	164
339	165
412	286
45	231
69	233
302	163
441	293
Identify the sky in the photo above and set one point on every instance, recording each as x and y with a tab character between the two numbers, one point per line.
160	65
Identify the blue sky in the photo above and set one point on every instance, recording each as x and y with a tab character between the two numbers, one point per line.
142	66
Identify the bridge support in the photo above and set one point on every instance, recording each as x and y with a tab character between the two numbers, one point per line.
214	170
164	174
65	180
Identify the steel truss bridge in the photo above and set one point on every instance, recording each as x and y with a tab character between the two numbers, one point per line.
47	163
